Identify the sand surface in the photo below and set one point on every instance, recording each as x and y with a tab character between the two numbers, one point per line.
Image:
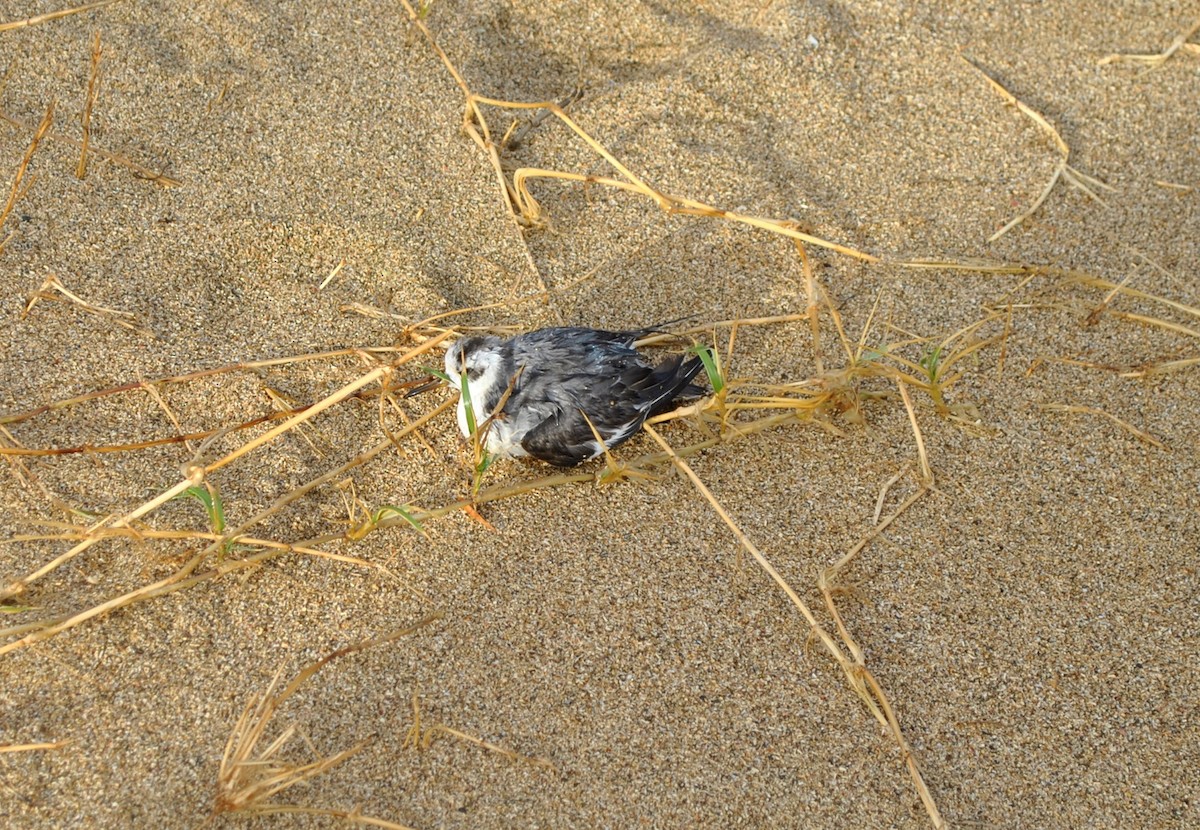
1033	619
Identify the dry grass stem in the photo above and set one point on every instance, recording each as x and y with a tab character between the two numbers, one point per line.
861	680
472	116
1141	435
341	470
826	578
286	409
750	547
21	585
187	378
705	328
157	397
1152	62
116	158
45	18
825	582
421	738
609	461
1008	320
978	266
1064	170
922	456
250	775
813	308
185	577
1156	322
71	533
182	438
93	90
883	491
16	191
53	289
197	473
9	444
296	420
1112	287
440	729
25	628
5	748
524	208
332	400
337	270
1166	367
354	816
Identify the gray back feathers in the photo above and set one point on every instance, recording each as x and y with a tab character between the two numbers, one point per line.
559	375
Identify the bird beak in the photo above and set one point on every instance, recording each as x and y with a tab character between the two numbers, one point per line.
416	387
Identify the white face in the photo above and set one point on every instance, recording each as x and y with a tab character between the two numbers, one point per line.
483	365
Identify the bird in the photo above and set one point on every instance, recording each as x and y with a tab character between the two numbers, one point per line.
554	385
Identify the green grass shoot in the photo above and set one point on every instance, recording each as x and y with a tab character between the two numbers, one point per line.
405	513
209	496
436	373
480	455
468	406
708	358
931	362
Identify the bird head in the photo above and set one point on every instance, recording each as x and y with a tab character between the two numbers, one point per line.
484	360
480	357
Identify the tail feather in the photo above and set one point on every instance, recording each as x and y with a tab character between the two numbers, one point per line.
669	381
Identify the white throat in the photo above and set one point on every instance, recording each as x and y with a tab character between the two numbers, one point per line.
489	384
482	389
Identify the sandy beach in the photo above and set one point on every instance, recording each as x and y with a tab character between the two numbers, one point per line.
995	421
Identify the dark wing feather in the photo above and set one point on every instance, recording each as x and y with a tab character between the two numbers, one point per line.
565	438
664	384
